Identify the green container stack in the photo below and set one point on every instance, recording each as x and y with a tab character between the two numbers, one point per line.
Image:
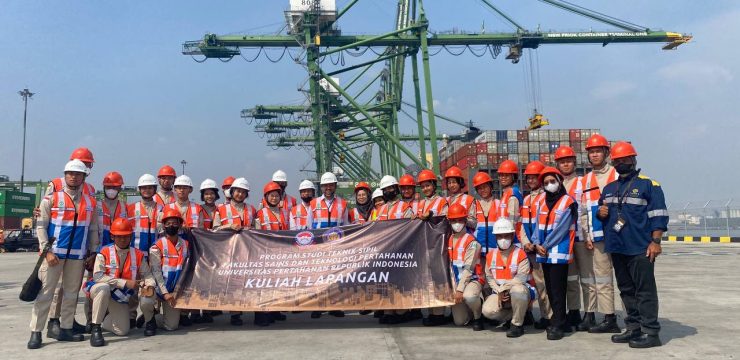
14	206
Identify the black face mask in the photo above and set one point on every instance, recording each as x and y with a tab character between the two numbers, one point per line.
307	199
624	169
390	195
171	230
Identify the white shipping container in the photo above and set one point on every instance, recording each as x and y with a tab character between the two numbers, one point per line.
511	135
328	87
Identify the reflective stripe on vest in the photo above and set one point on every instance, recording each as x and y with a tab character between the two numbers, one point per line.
575	190
106	220
435	206
591	194
62	221
229	215
298	217
192	215
504	210
145	225
529	211
395	211
505	271
456	251
463	199
325	216
484	229
561	253
269	221
172	259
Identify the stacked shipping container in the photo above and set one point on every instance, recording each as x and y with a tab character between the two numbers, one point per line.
14	206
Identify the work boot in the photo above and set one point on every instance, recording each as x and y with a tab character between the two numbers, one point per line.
185	321
589	322
566	328
140	321
52	328
78	328
69	335
88	327
96	339
609	325
336	313
554	333
574	318
542	324
151	327
131	324
315	314
528	318
236	320
515	331
478	324
277	315
645	341
494	322
35	341
262	319
626	336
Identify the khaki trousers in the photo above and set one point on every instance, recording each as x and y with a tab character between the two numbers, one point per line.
56	303
519	302
70	271
539	284
171	316
117	318
597	279
471	305
574	292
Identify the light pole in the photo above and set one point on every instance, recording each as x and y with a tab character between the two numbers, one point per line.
26	95
183	166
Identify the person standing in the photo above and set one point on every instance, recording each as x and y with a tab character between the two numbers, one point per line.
455	183
111	207
287	202
378	202
486	212
299	214
225	186
635	216
407	189
364	207
209	196
166	177
144	215
511	196
432	204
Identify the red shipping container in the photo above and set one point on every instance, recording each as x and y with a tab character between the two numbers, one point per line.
522	135
577	145
575	135
481	148
8	222
545	158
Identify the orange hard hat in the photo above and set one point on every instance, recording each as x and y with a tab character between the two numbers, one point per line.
166	171
171	213
121	226
83	154
508	167
456	211
622	149
534	168
564	152
271	186
453	172
406	180
113	179
227	182
597	140
426	175
551	171
481	178
363	185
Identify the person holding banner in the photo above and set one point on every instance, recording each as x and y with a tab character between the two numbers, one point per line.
120	271
467	275
166	259
299	214
432	204
364	208
273	216
507	271
209	196
407	189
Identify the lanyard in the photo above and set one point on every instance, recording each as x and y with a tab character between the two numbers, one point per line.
623	196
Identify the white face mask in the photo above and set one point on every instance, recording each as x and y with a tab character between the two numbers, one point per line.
551	188
111	193
503	244
458	227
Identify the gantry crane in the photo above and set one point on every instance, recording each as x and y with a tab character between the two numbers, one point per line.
339	120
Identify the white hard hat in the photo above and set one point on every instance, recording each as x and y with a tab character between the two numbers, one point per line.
183	180
388	181
208	184
503	226
328	178
241	183
377	193
227	193
306	185
147	180
279	176
76	166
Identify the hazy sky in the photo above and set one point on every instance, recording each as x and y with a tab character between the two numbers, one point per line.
110	76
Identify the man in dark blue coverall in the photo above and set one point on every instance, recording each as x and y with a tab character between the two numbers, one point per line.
635	216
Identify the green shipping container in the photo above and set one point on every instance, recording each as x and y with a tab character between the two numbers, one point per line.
17	198
13	210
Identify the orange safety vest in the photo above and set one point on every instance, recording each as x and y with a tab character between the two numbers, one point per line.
395	211
435	204
562	253
484	228
463	199
575	190
209	213
356	218
193	214
229	214
106	220
158	199
505	271
298	217
58	185
145	225
64	217
269	221
528	211
590	200
127	271
172	257
324	217
456	252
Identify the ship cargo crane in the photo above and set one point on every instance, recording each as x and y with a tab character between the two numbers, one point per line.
338	120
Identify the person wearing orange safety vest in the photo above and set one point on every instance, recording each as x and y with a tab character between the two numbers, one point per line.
511	196
565	159
455	183
594	264
145	214
166	177
209	196
167	258
193	214
111	207
299	214
272	217
68	225
432	204
287	202
529	212
363	209
407	189
378	202
486	212
553	240
225	186
508	273
119	272
86	156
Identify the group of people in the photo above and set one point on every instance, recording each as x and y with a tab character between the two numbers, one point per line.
564	241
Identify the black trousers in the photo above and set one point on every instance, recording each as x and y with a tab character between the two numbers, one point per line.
556	285
636	281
